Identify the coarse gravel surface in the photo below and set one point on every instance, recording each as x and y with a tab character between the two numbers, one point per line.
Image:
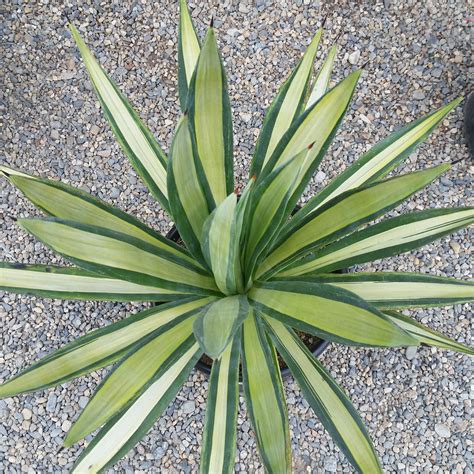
416	403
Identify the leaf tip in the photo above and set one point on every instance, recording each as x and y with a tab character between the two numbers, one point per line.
211	23
323	23
311	145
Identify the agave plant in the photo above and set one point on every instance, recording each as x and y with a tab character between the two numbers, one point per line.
248	273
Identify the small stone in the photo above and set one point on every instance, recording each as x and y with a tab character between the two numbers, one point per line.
442	430
419	95
83	401
66	426
54	134
354	57
411	352
455	246
27	413
320	176
188	407
51	403
95	129
114	193
330	464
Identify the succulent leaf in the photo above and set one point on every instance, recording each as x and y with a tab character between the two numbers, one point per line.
219	437
137	142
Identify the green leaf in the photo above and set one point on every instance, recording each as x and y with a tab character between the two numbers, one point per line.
149	359
326	398
211	123
221	246
382	158
426	335
398	290
321	83
330	313
75	284
123	431
389	237
117	255
99	348
188	52
219	322
342	215
63	201
265	398
317	125
136	140
219	437
268	209
285	108
187	196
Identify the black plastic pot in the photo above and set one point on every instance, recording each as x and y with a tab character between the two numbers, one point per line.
319	348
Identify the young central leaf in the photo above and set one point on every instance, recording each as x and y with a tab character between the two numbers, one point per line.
220	246
218	323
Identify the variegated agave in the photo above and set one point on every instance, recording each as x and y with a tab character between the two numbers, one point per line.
248	274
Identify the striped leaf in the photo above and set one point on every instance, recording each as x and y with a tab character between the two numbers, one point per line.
316	125
321	82
63	201
330	313
265	398
136	140
398	290
216	326
426	335
188	52
99	348
130	378
75	284
285	108
187	196
382	158
268	209
389	237
211	123
119	256
123	431
329	402
342	215
219	437
221	246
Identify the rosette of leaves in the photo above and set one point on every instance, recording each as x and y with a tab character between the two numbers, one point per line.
247	276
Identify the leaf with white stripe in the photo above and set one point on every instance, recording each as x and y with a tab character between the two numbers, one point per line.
382	158
126	429
136	140
398	290
75	284
342	215
389	237
317	125
321	82
329	402
66	202
330	313
265	398
426	335
219	437
268	209
131	376
211	123
117	255
188	52
216	326
285	108
187	197
221	246
99	348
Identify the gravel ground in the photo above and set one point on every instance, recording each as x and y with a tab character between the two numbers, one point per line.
415	403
